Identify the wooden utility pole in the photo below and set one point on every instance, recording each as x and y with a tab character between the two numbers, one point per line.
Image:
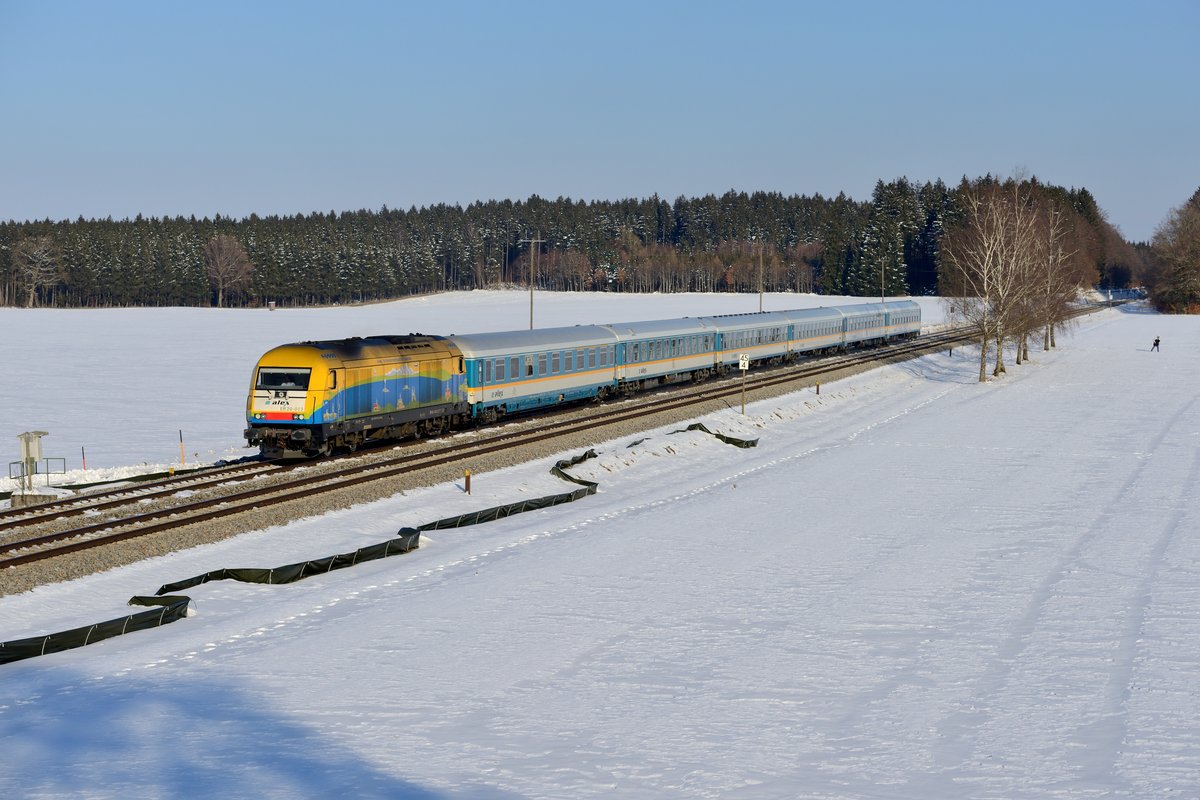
761	245
534	243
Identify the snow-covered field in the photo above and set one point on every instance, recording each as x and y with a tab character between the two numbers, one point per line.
916	586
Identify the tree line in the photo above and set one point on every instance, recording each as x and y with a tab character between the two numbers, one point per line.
738	242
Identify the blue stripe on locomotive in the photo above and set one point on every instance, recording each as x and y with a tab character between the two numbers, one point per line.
388	394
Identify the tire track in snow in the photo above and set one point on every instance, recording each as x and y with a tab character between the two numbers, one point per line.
1095	759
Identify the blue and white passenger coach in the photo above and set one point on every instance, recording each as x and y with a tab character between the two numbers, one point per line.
514	371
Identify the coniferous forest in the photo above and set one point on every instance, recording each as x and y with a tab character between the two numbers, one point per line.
889	244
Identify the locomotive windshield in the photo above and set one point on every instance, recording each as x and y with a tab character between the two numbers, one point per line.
285	378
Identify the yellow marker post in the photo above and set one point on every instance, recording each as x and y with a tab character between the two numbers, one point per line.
467	475
181	459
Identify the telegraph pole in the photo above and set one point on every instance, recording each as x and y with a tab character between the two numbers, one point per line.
534	243
761	245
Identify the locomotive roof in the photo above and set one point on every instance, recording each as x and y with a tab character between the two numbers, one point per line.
415	341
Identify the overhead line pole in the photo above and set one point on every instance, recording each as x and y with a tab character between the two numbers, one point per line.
533	245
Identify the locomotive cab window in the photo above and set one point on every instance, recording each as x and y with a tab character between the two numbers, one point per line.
282	378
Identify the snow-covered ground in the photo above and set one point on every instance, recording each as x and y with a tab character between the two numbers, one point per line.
915	586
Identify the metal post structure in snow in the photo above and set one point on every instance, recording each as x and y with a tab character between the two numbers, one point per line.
31	453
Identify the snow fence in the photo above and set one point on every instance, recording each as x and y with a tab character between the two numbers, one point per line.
171	608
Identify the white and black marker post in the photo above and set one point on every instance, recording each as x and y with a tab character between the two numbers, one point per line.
743	365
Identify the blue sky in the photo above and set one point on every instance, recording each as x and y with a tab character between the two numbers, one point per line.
165	108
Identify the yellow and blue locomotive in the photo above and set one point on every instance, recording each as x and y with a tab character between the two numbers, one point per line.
310	397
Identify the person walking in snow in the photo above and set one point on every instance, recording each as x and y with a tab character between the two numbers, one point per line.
1155	345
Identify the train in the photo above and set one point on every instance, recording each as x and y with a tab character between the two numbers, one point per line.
310	398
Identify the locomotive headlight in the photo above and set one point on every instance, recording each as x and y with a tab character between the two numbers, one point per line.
297	416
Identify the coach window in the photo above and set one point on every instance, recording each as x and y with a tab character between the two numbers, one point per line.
528	366
479	373
554	362
541	364
569	361
499	370
487	371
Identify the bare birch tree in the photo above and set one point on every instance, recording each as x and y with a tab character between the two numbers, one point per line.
227	265
1057	280
987	265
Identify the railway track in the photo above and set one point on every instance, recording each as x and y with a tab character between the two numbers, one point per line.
238	489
